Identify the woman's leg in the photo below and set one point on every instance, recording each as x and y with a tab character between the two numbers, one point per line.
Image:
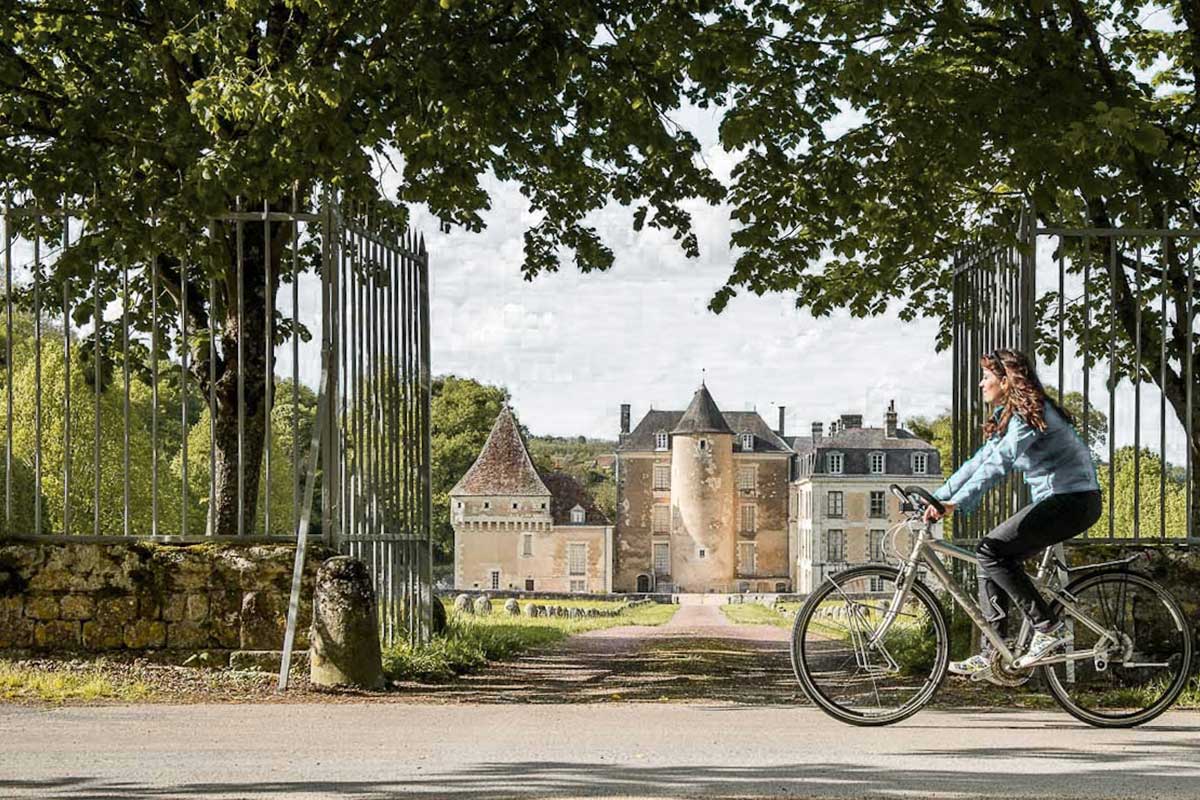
1003	552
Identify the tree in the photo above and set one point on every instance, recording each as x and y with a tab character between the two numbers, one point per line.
156	118
877	140
1146	503
462	412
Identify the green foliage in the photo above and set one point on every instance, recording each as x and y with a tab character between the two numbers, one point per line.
754	614
82	399
577	456
462	412
1145	504
283	472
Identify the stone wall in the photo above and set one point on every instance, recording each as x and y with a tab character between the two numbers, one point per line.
171	601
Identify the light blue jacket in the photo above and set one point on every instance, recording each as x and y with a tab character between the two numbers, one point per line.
1054	461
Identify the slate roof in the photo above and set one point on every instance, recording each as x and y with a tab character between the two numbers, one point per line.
503	466
702	415
765	440
565	494
866	439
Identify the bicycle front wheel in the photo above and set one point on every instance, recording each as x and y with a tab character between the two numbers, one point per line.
852	672
1137	667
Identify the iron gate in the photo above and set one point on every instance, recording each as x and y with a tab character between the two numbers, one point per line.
117	336
1137	338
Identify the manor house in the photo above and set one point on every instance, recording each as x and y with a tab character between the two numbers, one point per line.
707	501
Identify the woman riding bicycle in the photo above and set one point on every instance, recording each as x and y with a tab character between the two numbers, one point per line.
1029	432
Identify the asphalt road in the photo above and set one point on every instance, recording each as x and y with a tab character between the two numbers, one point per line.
583	750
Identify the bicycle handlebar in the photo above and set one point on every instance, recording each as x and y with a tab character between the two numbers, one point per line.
917	497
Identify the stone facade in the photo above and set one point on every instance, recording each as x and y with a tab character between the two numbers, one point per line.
702	502
516	528
149	598
834	518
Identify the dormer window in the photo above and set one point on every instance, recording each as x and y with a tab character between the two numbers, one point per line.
834	463
877	463
919	463
661	441
747	442
578	515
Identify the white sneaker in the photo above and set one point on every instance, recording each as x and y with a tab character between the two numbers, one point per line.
1043	644
971	666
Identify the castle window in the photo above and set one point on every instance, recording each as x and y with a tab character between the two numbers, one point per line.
878	504
577	565
877	462
661	441
747	478
748	442
877	545
662	558
662	477
834	463
833	504
660	519
919	462
703	445
494	579
578	515
526	545
746	558
486	504
543	506
701	553
748	518
835	545
514	506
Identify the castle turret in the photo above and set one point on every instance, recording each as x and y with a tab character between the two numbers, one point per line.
703	498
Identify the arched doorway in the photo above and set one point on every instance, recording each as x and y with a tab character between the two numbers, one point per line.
643	583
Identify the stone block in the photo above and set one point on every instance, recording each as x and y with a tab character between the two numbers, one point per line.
174	607
224	617
42	607
59	634
149	606
120	609
145	634
15	629
78	606
186	635
197	608
103	635
55	579
264	617
345	628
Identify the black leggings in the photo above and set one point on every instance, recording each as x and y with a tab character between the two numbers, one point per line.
1003	552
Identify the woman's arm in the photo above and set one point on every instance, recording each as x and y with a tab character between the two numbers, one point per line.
995	464
960	476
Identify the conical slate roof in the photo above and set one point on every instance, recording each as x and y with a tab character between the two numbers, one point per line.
503	466
702	416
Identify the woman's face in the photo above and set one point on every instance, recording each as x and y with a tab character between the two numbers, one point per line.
994	388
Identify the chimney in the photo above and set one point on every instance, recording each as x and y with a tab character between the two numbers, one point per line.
833	428
816	432
889	420
850	421
780	431
624	419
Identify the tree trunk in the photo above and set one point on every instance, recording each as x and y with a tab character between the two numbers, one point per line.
227	511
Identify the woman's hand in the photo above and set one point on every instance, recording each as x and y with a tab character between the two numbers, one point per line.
932	515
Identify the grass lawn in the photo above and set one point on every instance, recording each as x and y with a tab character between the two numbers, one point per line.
25	683
470	642
754	614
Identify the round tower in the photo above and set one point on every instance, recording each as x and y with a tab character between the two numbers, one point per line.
703	499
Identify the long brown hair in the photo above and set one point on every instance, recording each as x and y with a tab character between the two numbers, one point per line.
1025	392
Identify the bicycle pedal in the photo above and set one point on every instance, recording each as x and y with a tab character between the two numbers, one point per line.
982	675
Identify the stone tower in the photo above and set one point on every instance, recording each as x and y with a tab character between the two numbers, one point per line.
703	499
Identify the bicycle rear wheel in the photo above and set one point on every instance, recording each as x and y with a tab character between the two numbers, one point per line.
1140	674
856	681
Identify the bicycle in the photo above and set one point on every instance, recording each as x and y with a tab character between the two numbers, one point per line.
871	645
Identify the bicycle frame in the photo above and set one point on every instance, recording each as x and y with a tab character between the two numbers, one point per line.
926	550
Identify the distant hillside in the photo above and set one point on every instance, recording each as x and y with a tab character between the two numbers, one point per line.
589	461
